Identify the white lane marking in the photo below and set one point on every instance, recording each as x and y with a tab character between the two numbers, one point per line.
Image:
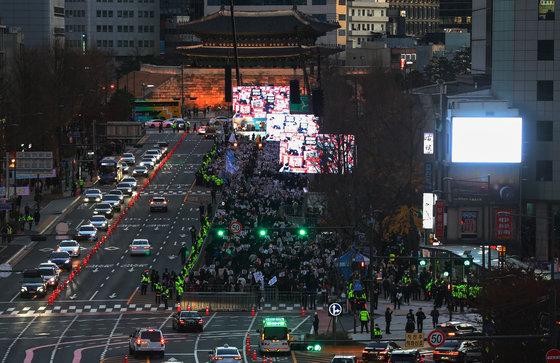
198	338
60	338
109	339
103	284
17	338
297	326
79	224
12	300
165	321
247	333
92	296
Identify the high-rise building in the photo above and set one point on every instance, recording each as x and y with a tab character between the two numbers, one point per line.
126	27
173	13
41	21
420	16
455	14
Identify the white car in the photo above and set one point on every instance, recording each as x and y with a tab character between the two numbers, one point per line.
128	158
71	246
140	247
125	188
148	162
87	231
140	171
118	193
154	153
93	195
98	221
146	341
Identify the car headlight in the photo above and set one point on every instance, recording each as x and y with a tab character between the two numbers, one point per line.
23	289
51	279
67	261
86	199
97	199
49	261
58	249
95	212
40	289
76	250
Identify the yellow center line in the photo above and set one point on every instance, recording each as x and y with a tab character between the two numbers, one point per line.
131	296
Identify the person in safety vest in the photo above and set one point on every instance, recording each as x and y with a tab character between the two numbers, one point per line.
364	320
377	334
145	282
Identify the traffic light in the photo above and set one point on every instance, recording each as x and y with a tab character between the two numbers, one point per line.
221	232
260	145
262	232
363	264
112	86
422	262
467	263
445	274
302	232
314	347
12	162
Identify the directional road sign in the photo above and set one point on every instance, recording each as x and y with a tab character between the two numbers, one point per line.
235	227
436	338
5	206
335	309
5	270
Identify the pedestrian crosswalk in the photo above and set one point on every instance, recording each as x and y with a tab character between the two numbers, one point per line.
66	308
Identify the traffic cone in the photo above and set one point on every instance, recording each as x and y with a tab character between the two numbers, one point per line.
254	354
264	359
248	348
179	307
207	311
303	312
270	360
84	262
248	340
188	308
253	311
126	358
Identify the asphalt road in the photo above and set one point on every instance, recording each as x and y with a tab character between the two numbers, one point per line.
93	317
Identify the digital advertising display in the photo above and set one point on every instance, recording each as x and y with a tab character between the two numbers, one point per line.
300	153
486	139
279	125
252	104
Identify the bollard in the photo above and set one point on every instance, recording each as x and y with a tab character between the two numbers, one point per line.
207	311
303	312
264	359
254	354
253	311
188	307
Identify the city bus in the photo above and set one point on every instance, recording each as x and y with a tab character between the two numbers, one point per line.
110	170
150	109
275	336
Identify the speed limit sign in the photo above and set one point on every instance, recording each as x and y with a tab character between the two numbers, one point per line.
436	338
235	227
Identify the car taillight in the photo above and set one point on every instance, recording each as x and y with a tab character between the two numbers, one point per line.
217	358
453	353
200	321
436	352
151	202
451	334
181	321
237	358
364	351
162	340
138	341
383	352
165	202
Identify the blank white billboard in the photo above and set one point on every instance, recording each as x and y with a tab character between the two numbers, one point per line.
486	139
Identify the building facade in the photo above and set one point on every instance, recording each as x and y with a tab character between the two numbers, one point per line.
41	21
455	14
421	16
366	21
125	27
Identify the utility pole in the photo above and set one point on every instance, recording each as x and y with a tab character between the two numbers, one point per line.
553	328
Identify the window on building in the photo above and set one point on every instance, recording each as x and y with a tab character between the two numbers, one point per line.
545	50
341	2
318	2
99	13
544	170
341	17
545	90
322	17
546	9
382	12
342	32
99	43
119	28
544	130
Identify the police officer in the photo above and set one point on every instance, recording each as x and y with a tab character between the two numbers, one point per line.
420	317
22	221
166	296
377	334
159	289
174	127
145	282
10	231
364	319
188	126
179	288
30	221
81	185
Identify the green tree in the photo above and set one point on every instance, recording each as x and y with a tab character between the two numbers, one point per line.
440	68
461	62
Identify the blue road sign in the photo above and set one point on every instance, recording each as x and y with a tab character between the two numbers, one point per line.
5	207
335	309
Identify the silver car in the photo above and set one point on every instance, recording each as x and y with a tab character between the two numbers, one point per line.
140	247
71	246
93	195
130	180
125	188
99	221
226	354
146	341
114	200
128	158
124	167
50	273
118	193
103	209
154	153
140	171
87	231
148	162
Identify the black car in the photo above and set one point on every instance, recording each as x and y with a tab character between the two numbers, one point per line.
458	351
457	329
378	351
62	259
187	320
158	203
33	284
406	356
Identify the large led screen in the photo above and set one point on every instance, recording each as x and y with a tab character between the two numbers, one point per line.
486	139
252	104
301	153
279	125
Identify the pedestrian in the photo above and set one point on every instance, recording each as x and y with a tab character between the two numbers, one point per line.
193	234
158	292
410	315
410	322
166	296
435	317
183	254
388	317
37	215
364	320
420	317
316	323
